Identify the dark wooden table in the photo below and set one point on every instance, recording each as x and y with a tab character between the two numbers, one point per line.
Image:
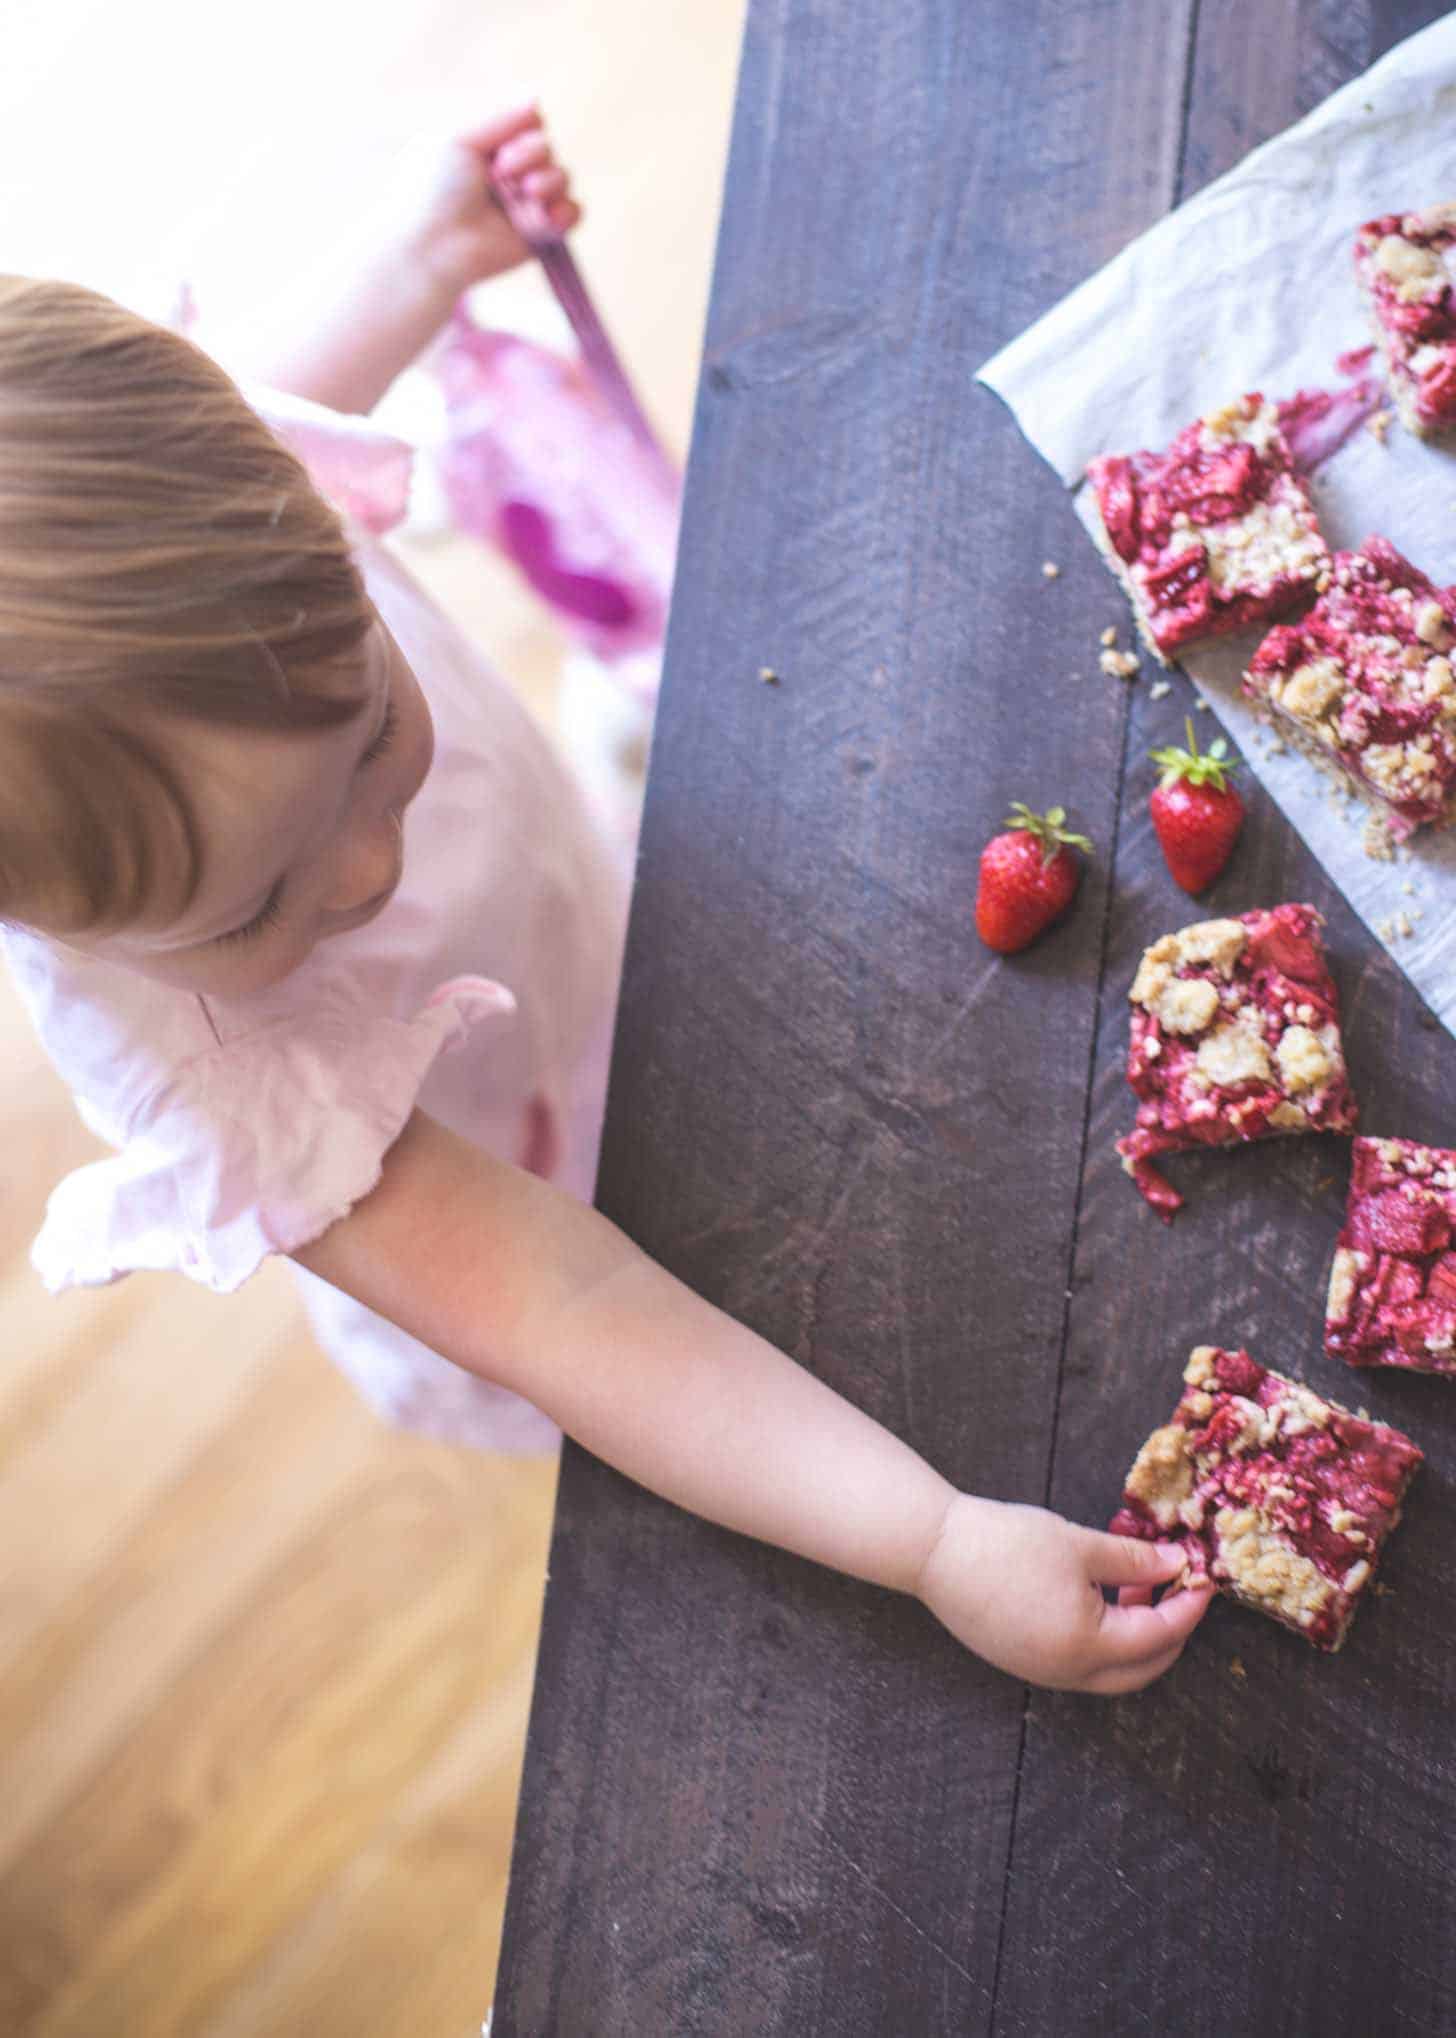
758	1798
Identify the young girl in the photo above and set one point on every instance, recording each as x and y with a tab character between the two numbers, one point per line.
254	886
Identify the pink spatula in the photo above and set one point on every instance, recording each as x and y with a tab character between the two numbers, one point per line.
599	357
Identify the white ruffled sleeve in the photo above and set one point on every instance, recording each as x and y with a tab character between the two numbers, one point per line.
364	470
255	1147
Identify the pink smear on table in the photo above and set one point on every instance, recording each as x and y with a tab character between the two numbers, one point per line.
1317	422
540	467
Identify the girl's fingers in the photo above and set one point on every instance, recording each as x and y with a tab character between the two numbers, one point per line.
1124	1560
1134	1595
502	129
516	159
1132	1634
1112	1683
545	185
564	215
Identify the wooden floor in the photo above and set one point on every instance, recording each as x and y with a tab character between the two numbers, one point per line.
264	1666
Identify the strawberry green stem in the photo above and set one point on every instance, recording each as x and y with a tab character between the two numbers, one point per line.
1047	828
1209	767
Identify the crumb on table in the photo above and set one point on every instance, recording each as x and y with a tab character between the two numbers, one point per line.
1377	841
1118	664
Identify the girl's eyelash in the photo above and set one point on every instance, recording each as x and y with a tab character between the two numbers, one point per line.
385	737
267	916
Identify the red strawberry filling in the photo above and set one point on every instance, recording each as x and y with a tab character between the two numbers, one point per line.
1399	1220
1235	1037
1283	950
1214	533
1438	386
1366	679
1283	1499
1392	1296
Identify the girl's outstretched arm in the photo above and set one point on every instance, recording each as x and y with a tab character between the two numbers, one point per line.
370	310
522	1284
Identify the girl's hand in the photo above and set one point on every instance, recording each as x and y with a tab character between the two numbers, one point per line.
460	229
1023	1588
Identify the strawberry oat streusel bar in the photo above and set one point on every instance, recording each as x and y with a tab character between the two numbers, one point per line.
1392	1299
1235	1036
1364	683
1283	1499
1216	533
1405	264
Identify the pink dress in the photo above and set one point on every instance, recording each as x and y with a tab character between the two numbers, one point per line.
484	993
536	464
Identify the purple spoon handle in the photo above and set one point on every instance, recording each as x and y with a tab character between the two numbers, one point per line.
599	356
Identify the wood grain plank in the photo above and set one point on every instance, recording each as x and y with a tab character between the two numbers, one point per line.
257	1775
88	1474
1256	70
113	1640
369	1959
1260	1798
811	1112
54	1347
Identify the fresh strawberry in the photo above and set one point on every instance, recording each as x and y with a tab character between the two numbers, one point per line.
1196	811
1029	877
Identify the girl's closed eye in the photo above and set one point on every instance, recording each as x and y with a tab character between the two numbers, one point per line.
385	737
266	916
269	914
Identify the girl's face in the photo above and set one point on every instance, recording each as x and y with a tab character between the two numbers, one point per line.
301	836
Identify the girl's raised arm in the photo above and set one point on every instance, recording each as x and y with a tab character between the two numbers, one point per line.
520	1283
369	310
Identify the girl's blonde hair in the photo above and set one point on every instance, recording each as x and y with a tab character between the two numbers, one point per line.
161	555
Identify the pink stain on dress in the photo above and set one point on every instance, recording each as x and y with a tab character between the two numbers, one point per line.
540	467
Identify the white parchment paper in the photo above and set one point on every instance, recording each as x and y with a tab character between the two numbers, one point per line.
1250	286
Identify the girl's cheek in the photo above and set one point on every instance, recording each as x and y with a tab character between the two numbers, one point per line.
423	748
271	970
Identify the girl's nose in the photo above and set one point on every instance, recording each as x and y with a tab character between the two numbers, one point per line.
369	865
